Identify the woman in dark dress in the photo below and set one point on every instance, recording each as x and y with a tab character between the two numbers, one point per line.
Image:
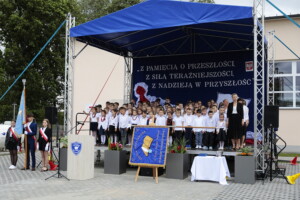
235	115
11	143
45	138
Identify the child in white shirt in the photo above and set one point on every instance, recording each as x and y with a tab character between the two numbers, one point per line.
103	126
199	121
210	132
143	119
178	121
221	131
113	126
188	120
124	121
161	119
134	120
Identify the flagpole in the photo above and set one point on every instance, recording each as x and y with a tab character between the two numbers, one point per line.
25	136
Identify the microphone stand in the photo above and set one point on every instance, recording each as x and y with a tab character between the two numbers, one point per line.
58	173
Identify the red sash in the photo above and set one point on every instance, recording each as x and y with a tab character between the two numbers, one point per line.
13	134
43	135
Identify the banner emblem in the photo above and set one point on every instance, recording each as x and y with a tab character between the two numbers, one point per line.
249	66
76	147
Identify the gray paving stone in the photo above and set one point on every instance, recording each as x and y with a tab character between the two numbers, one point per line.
17	184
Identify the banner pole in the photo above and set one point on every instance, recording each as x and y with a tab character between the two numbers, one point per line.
25	136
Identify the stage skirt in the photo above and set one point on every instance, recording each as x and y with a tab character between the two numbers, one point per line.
111	130
222	135
244	129
93	126
235	127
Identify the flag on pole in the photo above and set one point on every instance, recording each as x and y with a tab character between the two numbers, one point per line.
21	118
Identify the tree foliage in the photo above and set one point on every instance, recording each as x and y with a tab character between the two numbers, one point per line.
92	9
25	26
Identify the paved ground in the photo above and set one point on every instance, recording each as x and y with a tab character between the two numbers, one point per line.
25	185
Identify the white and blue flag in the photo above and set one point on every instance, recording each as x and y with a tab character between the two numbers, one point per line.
21	118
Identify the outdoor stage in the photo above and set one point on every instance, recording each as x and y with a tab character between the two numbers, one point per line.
222	44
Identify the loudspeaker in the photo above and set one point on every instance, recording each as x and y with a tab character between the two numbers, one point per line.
51	114
271	116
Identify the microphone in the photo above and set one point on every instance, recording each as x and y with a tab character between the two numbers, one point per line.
80	123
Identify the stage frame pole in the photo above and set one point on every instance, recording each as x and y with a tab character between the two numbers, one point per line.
259	85
69	74
127	78
271	67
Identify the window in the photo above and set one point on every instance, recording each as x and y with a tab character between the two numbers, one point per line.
283	68
287	84
298	67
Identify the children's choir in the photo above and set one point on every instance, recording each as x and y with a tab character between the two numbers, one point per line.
207	127
211	126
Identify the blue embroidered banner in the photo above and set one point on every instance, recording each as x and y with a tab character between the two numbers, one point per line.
149	146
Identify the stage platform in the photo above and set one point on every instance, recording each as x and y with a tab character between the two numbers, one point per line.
190	151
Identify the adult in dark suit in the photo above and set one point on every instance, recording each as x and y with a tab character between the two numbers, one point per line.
30	131
235	115
45	136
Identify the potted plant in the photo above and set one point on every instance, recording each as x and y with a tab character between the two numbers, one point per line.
177	160
63	158
114	159
244	166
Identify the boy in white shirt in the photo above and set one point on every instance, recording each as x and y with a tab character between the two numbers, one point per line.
210	132
143	119
161	119
124	121
134	120
188	120
178	121
199	121
113	126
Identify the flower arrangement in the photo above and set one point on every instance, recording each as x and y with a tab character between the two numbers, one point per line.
178	146
246	151
114	146
64	141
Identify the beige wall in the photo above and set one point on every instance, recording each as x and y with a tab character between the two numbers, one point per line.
289	128
289	118
288	33
91	69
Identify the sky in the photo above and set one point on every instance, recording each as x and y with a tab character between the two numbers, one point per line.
287	6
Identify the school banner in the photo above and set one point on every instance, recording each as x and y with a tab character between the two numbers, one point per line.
149	147
195	77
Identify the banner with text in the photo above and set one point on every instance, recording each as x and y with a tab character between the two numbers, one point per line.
195	77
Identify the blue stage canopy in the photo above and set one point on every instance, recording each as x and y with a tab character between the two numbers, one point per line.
166	27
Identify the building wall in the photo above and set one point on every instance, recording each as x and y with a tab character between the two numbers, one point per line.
91	69
289	33
288	118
